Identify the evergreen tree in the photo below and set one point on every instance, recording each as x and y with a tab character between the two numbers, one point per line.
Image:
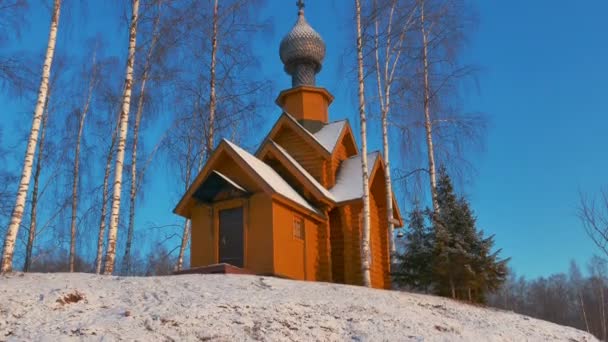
415	264
454	231
463	262
451	257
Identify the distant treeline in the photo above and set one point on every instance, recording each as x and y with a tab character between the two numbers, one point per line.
567	299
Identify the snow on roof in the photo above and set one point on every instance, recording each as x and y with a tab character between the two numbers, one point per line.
349	182
306	131
317	185
271	177
329	134
230	181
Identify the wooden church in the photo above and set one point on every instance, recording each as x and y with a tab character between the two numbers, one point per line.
293	208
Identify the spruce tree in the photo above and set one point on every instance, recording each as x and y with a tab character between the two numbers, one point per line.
415	270
464	265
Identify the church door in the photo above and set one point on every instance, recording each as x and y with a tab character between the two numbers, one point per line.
231	236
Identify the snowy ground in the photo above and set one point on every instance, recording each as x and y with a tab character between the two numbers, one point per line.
36	307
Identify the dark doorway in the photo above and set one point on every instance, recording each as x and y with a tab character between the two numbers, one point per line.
231	236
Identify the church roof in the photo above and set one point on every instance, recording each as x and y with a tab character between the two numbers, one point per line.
303	171
330	133
349	181
271	177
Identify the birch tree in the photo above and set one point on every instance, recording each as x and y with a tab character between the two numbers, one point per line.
576	279
212	99
593	214
366	224
189	161
388	47
104	201
222	99
428	126
34	206
138	118
433	122
13	228
122	138
82	115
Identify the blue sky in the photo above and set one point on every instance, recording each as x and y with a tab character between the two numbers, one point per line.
543	88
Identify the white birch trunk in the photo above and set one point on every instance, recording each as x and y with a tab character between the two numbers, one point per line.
122	138
365	242
428	126
76	173
212	103
184	243
134	181
389	190
104	204
6	263
33	211
187	223
384	97
209	144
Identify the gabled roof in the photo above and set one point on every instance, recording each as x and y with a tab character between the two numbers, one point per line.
213	184
329	135
320	188
349	181
271	177
286	118
229	181
262	173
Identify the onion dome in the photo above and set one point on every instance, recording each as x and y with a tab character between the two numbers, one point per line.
302	51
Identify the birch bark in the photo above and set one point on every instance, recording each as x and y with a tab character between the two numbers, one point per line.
187	223
210	143
212	103
6	264
104	203
385	75
365	242
122	138
76	172
428	125
134	180
34	209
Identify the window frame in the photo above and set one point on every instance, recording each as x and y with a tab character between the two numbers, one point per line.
298	230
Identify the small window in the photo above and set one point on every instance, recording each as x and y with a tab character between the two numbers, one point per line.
298	228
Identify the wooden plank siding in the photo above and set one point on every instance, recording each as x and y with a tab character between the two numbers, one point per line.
302	152
337	245
344	149
380	245
304	259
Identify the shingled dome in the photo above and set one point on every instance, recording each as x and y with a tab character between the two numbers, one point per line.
302	51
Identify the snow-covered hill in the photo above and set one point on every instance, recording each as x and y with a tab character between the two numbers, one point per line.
236	308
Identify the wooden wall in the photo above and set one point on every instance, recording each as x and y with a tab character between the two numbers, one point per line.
346	239
305	259
257	211
300	150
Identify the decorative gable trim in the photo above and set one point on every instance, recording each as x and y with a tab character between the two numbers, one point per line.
290	121
298	170
270	181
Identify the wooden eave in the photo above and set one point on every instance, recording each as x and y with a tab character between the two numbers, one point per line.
185	204
347	130
297	207
269	147
396	211
290	121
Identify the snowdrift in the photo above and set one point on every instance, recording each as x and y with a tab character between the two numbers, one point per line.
87	307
